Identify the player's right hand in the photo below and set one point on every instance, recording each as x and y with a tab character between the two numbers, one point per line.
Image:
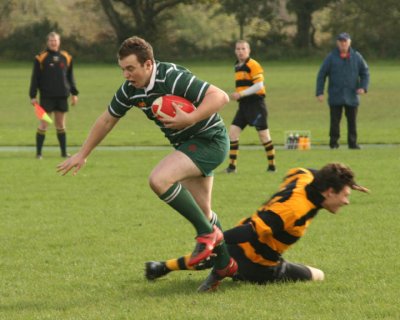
76	161
320	98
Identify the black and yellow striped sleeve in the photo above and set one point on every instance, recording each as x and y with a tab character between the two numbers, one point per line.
256	71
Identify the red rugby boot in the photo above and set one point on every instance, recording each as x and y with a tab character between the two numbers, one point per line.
205	244
215	277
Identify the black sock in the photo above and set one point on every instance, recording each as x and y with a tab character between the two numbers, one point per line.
62	139
40	136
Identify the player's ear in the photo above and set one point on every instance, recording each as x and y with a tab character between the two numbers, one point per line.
148	64
332	191
328	192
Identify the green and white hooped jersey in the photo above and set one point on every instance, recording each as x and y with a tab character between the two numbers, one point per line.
167	78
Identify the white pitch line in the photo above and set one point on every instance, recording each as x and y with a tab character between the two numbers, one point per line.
163	148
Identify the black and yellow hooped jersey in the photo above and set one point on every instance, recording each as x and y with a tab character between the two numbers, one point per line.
283	219
247	74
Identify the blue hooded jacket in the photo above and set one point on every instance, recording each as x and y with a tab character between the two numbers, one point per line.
346	75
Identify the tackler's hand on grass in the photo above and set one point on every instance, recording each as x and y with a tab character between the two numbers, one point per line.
76	161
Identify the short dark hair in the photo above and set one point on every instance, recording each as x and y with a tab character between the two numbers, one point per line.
335	176
137	46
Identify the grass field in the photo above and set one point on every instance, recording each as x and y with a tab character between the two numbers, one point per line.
75	247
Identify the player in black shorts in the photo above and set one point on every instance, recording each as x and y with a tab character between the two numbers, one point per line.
53	76
258	242
252	111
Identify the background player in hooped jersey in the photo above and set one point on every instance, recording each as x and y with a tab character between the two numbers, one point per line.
258	242
184	178
252	111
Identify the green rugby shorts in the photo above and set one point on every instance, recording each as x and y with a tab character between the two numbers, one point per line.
208	149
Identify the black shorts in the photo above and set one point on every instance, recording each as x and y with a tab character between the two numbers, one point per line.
54	104
252	111
255	273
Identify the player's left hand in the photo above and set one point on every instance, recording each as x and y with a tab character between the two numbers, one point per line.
34	101
181	119
235	96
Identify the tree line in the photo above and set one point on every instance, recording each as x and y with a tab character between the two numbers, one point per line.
92	29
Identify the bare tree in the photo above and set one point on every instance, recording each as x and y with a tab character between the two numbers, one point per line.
245	11
144	13
5	10
304	9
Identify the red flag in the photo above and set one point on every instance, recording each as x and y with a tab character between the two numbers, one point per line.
41	113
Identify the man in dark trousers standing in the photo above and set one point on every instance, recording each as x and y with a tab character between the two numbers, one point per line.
348	78
53	76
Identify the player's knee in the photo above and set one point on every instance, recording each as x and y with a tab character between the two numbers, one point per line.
264	135
233	138
155	183
158	183
234	133
43	126
316	274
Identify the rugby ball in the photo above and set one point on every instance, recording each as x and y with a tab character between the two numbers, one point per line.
162	106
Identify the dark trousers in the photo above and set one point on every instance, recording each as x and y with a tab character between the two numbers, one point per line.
336	116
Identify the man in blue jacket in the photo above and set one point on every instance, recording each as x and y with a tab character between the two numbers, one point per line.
348	78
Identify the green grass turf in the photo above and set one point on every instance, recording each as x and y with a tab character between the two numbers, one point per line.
75	247
290	98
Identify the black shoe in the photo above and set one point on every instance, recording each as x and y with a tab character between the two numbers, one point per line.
334	145
65	155
155	269
229	170
211	283
39	157
355	147
271	168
